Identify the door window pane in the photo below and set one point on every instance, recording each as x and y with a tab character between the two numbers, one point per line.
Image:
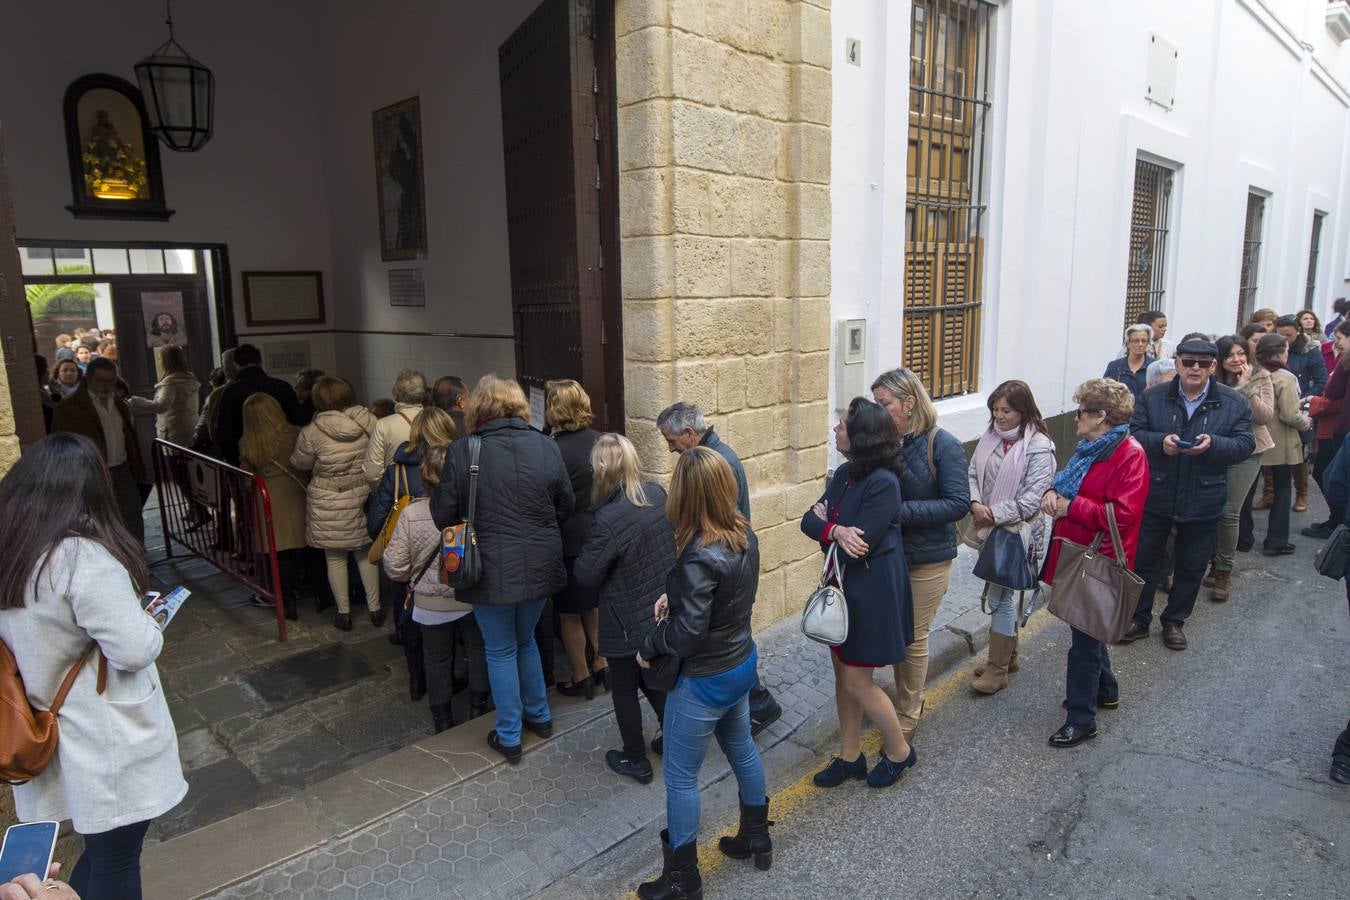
36	261
73	261
180	262
147	262
111	261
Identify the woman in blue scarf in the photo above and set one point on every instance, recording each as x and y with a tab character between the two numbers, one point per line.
1108	467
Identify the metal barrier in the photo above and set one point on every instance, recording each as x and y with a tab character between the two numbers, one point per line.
222	514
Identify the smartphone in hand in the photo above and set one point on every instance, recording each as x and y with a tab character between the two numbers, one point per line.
28	848
1184	445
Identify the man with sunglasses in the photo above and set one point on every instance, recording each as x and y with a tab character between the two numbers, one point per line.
1193	429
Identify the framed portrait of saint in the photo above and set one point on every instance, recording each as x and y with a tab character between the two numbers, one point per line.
399	186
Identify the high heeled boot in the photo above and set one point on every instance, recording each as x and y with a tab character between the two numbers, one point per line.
752	837
680	879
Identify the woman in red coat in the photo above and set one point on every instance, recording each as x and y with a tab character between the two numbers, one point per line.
1108	467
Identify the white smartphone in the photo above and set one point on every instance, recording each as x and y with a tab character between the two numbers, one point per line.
28	848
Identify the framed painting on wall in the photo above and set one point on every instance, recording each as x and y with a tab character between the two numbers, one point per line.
399	180
283	298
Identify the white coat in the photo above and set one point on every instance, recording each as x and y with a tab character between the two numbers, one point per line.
174	406
334	446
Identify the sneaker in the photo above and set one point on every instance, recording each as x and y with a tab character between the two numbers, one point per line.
637	769
512	754
887	771
839	771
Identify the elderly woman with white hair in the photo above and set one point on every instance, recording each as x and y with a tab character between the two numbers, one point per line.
1131	368
1160	371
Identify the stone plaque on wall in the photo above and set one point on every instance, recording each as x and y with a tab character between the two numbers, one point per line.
407	288
286	356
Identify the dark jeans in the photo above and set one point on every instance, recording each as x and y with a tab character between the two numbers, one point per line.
438	645
1089	680
624	683
110	867
1326	452
1194	547
1246	524
1277	526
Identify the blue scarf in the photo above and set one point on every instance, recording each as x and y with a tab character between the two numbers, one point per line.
1069	479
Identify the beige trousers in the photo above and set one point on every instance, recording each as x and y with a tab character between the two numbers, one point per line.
928	583
337	578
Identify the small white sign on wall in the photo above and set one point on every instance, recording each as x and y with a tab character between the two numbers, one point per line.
286	356
1162	72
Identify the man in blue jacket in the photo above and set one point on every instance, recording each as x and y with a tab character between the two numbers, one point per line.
684	428
1193	428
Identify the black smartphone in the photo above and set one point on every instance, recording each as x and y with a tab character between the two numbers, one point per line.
28	848
1184	445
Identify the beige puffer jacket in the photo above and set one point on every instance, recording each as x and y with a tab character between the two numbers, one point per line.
334	446
1287	423
174	406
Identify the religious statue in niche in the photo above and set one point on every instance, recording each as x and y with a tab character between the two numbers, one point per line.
114	159
399	180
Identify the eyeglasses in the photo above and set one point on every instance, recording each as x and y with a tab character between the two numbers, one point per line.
1195	363
1079	413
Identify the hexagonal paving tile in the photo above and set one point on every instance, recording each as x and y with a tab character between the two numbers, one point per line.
358	876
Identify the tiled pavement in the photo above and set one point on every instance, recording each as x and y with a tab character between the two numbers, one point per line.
511	831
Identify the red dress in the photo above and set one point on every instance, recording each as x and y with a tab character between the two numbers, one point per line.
1121	478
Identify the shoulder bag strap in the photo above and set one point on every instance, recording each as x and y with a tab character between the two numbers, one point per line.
287	469
402	415
1116	543
402	471
475	446
932	439
59	700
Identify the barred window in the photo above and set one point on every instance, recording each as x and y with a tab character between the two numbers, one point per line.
1314	247
1251	257
945	203
1145	284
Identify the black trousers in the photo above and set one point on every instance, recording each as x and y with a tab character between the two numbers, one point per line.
1090	679
625	680
127	493
1277	526
393	595
1326	452
1194	547
438	656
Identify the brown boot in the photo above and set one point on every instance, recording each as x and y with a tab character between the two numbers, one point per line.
1267	490
1014	664
1219	592
1301	487
995	675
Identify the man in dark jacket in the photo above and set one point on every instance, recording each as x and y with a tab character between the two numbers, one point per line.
684	428
1193	429
229	426
96	412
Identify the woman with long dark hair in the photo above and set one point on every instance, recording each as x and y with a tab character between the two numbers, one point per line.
71	576
859	516
1010	471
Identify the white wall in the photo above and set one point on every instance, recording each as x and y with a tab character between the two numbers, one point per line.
257	186
1253	108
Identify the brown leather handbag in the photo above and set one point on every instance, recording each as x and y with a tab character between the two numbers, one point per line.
1093	593
27	735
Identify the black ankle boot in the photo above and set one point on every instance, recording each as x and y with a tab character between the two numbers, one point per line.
417	686
752	837
479	704
288	603
679	879
441	717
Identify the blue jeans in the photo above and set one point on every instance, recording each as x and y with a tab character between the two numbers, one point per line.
110	867
1002	604
514	671
1089	679
688	725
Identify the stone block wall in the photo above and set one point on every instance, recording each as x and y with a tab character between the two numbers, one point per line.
724	159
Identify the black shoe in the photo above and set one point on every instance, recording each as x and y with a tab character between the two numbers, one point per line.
1246	546
377	617
752	837
637	769
887	771
601	677
763	718
585	687
1134	633
1101	704
659	742
1321	530
1072	735
442	719
342	621
395	637
1284	550
480	704
839	771
680	879
512	754
288	604
1340	768
543	729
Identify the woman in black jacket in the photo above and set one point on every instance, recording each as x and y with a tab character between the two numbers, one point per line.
523	496
630	551
703	620
568	413
936	494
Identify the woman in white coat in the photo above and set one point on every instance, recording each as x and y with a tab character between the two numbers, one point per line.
177	396
75	575
334	447
1013	466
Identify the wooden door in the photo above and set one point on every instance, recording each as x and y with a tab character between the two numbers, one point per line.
16	325
557	115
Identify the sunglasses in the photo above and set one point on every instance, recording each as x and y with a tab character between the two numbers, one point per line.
1195	363
1079	413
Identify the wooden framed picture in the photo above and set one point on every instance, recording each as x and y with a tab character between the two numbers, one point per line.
283	298
113	156
399	184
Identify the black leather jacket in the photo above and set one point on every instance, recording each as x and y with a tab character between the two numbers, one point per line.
710	591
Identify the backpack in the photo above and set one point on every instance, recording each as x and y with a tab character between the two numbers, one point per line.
28	736
400	503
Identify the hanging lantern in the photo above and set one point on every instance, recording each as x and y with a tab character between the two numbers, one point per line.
179	94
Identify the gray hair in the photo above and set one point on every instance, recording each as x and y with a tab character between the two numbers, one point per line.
410	387
1157	369
679	416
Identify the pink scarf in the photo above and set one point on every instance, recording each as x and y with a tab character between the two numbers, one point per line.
1010	474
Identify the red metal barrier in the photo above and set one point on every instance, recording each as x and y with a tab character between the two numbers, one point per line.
222	514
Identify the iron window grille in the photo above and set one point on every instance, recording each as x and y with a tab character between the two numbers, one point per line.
945	204
1251	257
1145	280
1314	247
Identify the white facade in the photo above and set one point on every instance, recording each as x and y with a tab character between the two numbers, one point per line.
1261	104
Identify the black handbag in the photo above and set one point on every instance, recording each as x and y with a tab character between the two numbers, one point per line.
1333	560
1005	560
664	671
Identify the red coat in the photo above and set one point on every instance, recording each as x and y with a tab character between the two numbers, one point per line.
1121	478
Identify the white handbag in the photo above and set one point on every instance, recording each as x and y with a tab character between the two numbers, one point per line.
825	619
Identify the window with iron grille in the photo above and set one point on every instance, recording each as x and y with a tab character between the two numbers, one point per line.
1314	247
1251	257
945	204
1145	284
